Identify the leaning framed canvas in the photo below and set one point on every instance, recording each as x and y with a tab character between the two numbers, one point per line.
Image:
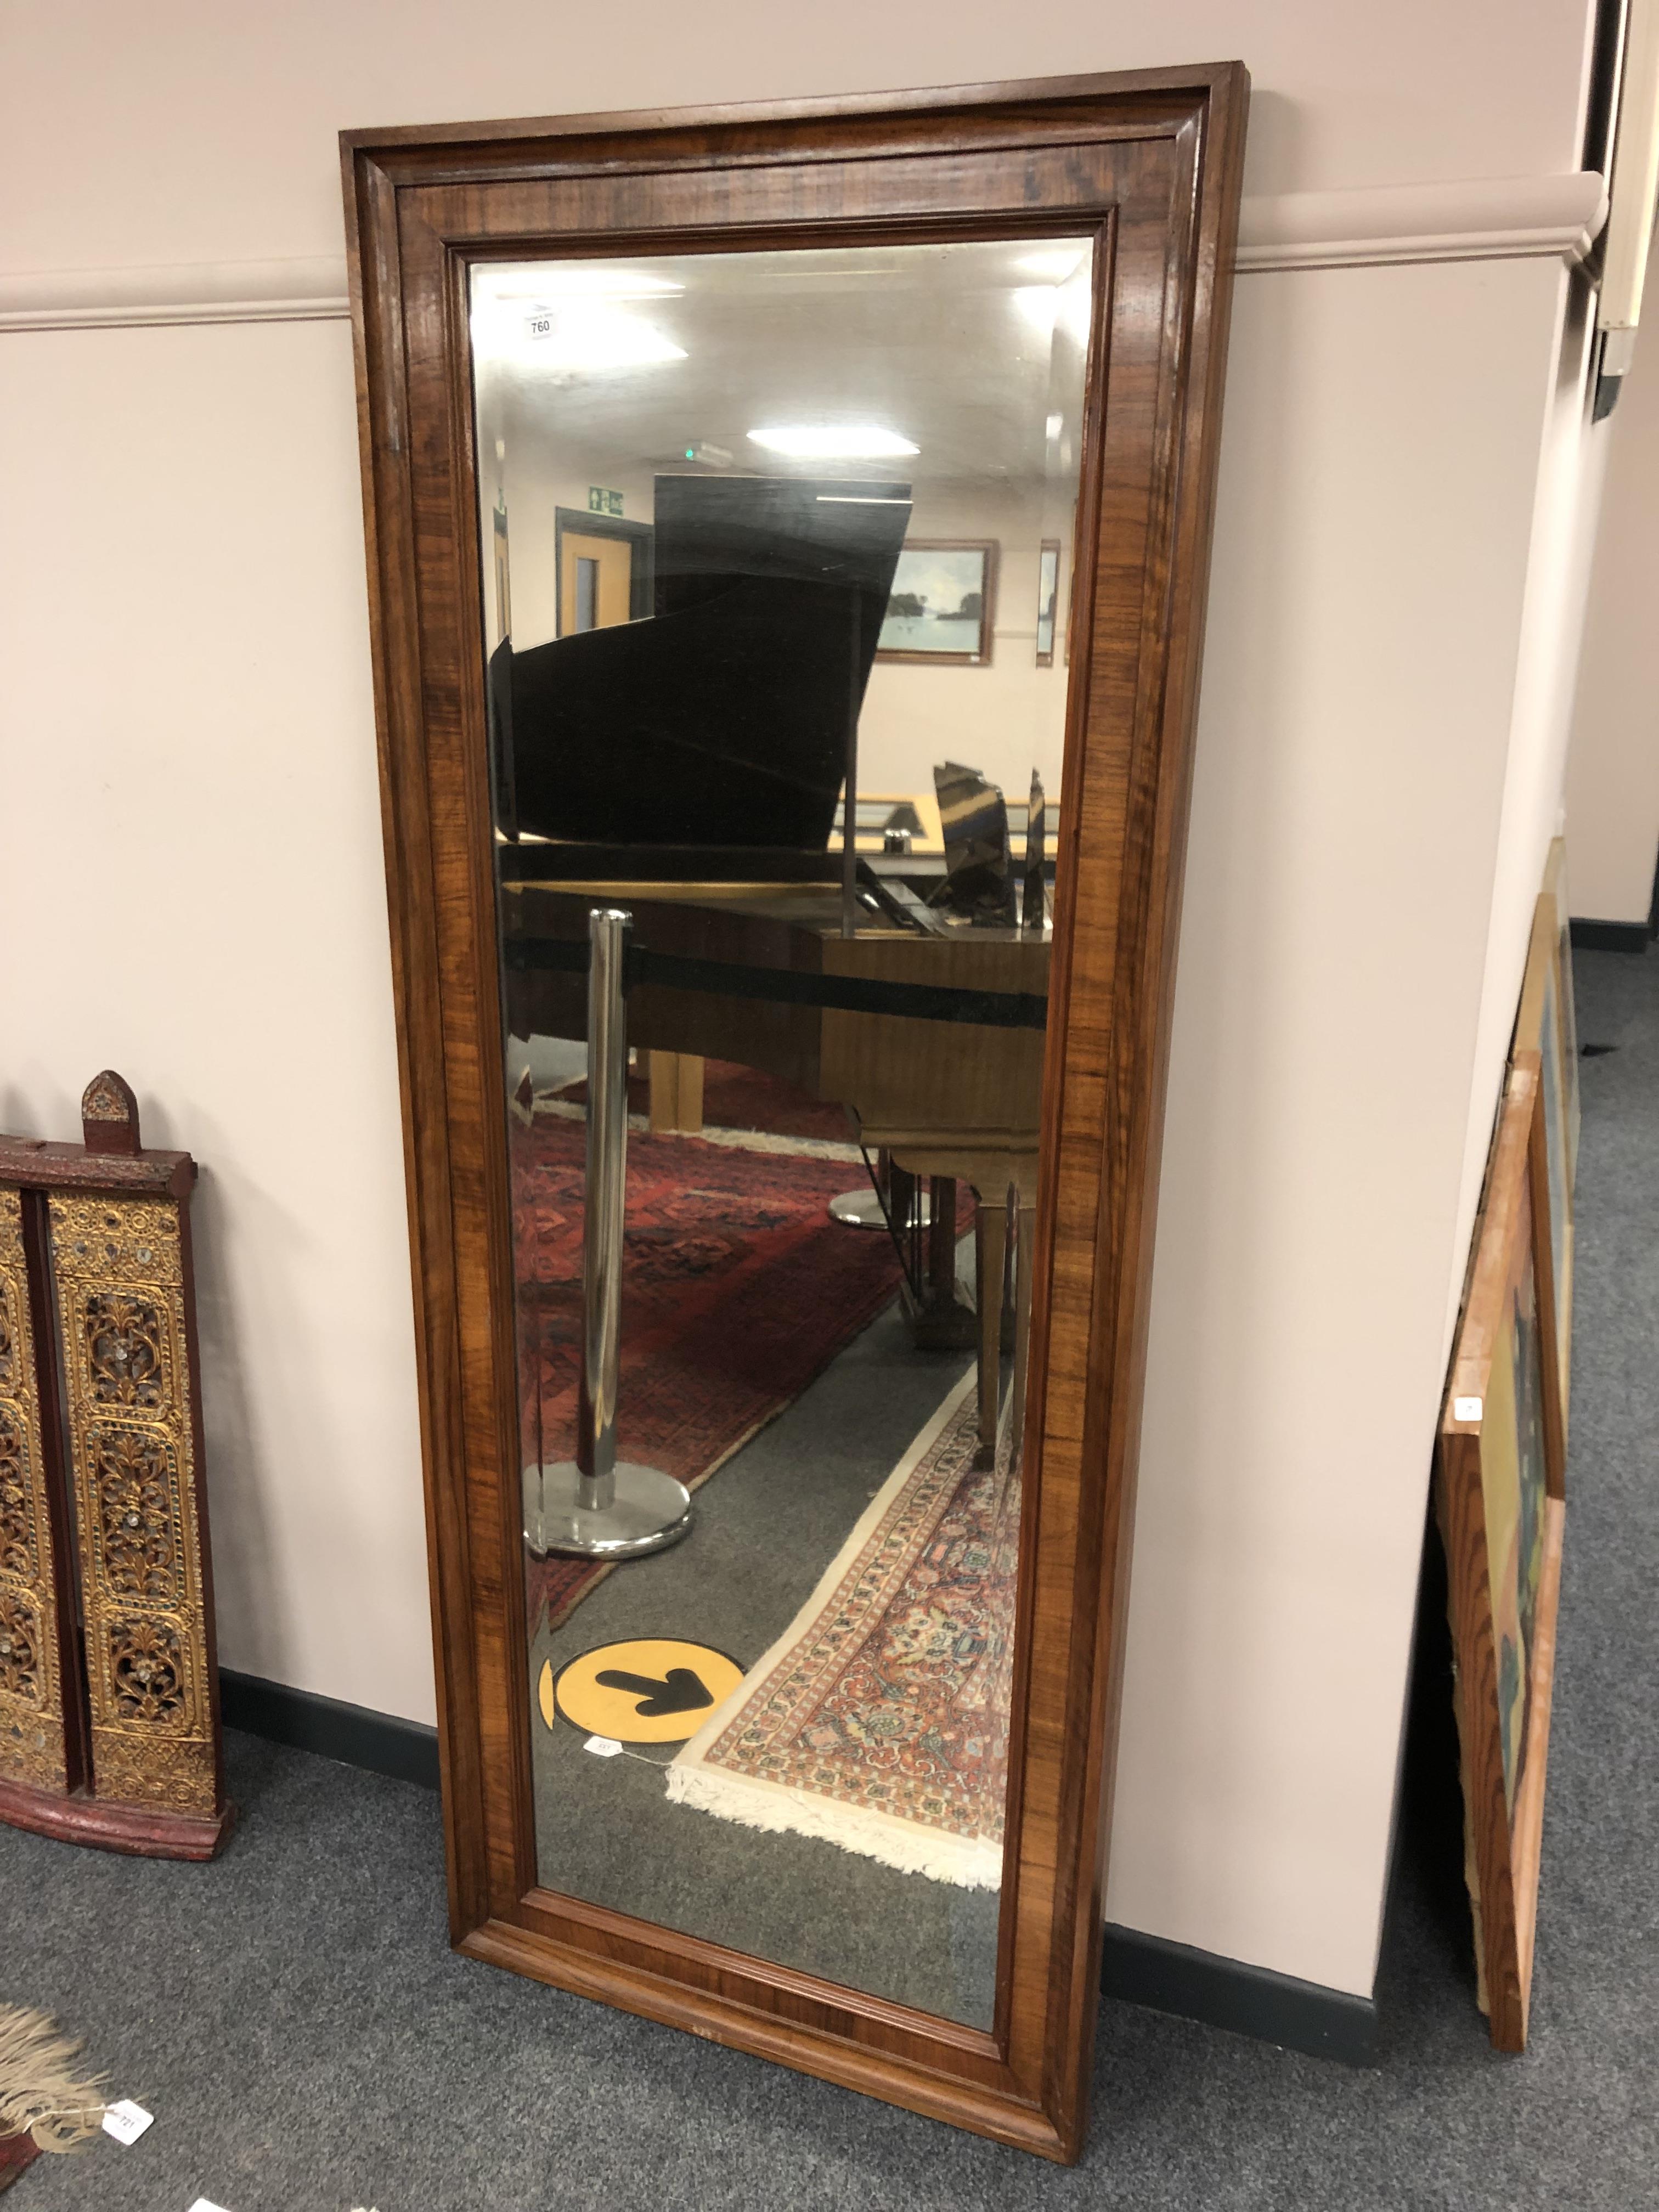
942	603
1499	1502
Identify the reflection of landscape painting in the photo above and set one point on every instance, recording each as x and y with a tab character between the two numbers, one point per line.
942	602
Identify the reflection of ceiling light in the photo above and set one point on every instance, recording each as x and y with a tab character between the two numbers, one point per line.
578	335
573	282
1053	268
851	441
1041	306
1076	302
1036	303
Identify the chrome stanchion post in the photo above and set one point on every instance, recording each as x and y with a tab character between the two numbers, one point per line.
603	1222
594	1506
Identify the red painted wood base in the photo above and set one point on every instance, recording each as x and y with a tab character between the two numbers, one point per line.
144	1832
15	2153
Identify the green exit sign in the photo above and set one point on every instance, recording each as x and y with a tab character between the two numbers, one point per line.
600	501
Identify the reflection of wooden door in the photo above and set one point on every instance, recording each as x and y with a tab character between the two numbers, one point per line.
595	581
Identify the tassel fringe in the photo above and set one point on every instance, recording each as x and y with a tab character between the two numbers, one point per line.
39	2090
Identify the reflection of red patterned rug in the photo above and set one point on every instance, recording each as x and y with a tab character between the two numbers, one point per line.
735	1097
737	1289
878	1720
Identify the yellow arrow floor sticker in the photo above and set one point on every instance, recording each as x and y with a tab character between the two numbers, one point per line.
653	1690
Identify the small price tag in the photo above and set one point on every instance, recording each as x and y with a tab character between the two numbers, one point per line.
602	1747
1467	1409
126	2121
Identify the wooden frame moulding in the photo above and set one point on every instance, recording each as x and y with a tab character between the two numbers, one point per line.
1555	887
1503	1820
1147	165
1545	1027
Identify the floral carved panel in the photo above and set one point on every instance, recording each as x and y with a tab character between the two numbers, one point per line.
137	1535
117	1263
32	1726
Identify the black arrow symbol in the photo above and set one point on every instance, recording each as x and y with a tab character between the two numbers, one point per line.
680	1691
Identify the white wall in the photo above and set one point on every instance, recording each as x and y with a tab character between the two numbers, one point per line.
1571	460
1612	766
204	132
1366	621
194	894
190	882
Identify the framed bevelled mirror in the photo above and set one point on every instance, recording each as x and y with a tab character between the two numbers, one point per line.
787	542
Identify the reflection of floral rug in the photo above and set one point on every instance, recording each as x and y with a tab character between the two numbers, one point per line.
736	1097
879	1719
737	1289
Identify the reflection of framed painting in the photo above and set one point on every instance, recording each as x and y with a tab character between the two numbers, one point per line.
942	603
1544	1025
1498	1496
1047	600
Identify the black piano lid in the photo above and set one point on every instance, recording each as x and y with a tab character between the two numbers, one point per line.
723	721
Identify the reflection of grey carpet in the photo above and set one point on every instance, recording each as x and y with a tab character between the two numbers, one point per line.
765	1527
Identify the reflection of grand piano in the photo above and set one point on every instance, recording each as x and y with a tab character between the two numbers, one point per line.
725	719
688	768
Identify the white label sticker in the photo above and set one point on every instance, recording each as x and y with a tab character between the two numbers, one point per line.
602	1747
1467	1409
201	2204
126	2121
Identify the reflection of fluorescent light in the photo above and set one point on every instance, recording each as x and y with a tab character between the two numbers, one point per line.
580	335
1055	425
1076	301
572	282
1041	306
1036	303
834	443
856	499
1054	268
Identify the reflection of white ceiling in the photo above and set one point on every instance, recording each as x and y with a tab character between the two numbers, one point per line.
972	351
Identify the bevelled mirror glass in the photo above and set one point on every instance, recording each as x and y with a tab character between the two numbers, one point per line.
761	542
787	537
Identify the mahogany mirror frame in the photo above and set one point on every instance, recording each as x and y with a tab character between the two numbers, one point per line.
1148	164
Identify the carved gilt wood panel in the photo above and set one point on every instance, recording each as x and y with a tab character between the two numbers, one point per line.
119	1268
33	1750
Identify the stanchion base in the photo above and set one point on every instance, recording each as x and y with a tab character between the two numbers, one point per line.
861	1209
649	1511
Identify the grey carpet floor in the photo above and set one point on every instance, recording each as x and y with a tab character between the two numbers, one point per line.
307	2043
